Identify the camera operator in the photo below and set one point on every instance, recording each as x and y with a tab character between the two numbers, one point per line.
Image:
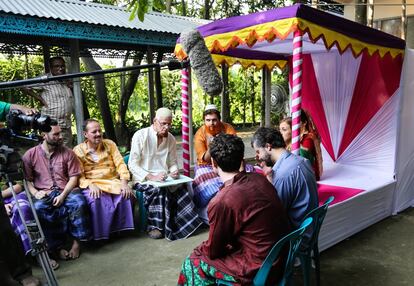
12	259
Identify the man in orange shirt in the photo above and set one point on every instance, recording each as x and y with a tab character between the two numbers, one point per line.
206	182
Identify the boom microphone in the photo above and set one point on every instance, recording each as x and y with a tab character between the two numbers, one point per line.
201	62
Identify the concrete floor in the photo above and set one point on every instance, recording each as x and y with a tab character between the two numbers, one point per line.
383	254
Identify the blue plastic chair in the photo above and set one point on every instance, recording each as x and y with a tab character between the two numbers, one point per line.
294	239
305	253
142	212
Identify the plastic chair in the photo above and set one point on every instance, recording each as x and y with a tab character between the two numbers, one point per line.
142	211
305	253
294	239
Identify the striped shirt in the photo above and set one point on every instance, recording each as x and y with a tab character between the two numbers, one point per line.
106	171
59	99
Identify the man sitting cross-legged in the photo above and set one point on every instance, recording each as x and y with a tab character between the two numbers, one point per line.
154	158
52	172
104	179
246	220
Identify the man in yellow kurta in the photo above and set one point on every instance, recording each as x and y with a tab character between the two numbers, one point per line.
104	181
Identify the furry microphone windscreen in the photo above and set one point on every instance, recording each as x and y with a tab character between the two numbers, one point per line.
200	60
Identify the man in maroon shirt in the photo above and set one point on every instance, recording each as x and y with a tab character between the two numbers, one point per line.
52	172
246	220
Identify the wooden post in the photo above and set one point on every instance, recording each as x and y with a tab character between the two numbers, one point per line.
370	13
225	100
158	83
190	118
263	100
46	57
268	95
404	20
77	93
297	60
151	85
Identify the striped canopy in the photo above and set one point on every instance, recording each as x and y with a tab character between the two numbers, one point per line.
265	38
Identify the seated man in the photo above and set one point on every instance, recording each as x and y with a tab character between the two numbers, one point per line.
241	232
52	172
291	175
12	211
206	182
13	266
153	158
104	180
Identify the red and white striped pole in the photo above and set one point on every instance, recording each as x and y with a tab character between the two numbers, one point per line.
185	121
296	90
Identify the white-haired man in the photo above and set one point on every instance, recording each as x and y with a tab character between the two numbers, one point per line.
154	158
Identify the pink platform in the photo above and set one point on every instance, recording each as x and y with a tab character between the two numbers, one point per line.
340	193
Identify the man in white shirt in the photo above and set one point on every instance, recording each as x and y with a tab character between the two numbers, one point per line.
154	158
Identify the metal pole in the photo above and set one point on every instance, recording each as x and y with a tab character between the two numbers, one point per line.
172	65
77	92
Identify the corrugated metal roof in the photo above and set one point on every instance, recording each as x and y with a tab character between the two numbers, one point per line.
98	14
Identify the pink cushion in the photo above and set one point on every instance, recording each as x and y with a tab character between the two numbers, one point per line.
340	193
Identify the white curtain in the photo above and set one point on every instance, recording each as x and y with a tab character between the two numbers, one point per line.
404	193
374	146
336	76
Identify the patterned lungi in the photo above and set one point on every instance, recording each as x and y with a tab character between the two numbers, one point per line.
70	218
170	212
16	221
197	272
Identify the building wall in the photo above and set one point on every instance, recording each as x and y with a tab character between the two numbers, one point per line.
387	18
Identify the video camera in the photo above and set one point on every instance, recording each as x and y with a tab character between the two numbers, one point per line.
17	123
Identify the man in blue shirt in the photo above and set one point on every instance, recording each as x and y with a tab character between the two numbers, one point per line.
291	175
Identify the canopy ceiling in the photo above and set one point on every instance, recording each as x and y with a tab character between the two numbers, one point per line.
265	38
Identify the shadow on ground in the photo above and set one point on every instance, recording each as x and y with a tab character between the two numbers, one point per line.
383	254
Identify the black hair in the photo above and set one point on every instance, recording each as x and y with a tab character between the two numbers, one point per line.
270	136
87	121
53	122
227	151
51	60
212	111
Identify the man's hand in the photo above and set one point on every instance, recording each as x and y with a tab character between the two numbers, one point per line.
58	200
175	175
8	208
160	177
267	171
94	191
209	139
24	109
40	195
126	191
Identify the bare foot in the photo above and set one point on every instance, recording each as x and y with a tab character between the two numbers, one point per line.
53	263
30	281
63	254
75	250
